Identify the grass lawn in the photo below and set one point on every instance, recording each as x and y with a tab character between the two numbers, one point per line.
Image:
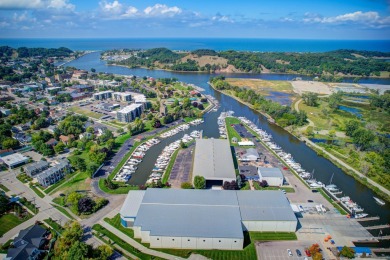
3	188
287	189
122	189
9	221
85	112
78	183
118	123
63	211
167	172
249	251
231	131
54	225
38	192
55	186
262	86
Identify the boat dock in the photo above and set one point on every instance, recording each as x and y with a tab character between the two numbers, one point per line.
336	199
378	227
368	219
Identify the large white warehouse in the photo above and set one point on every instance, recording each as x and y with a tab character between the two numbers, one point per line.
204	219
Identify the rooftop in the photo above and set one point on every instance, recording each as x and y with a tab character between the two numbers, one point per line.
129	108
15	158
213	159
270	172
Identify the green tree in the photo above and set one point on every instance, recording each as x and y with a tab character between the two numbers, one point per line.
310	99
351	126
73	198
9	142
335	99
199	182
78	251
362	138
347	252
60	147
105	251
4	204
78	163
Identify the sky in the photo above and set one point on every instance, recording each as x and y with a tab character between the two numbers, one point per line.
287	19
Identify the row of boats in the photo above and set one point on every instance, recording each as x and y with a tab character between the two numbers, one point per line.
166	154
136	157
175	131
222	124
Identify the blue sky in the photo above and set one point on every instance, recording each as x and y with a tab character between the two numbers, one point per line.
300	19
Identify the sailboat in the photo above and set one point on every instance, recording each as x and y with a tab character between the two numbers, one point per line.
379	201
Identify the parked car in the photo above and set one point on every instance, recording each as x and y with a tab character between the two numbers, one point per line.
289	252
298	252
310	201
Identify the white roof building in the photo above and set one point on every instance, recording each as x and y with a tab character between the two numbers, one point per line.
14	160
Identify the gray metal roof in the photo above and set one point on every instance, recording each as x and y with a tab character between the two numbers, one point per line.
132	203
213	159
37	166
270	172
269	205
251	152
203	213
48	172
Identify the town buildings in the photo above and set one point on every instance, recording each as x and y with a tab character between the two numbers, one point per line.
129	113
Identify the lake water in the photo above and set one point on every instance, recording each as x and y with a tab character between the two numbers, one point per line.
323	168
352	110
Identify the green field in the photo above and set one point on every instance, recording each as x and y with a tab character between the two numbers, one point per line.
9	221
170	166
85	112
231	131
77	183
63	211
3	188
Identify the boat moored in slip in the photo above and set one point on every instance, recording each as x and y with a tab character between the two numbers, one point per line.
379	201
360	215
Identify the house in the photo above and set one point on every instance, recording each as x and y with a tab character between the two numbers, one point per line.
66	139
5	111
35	168
23	138
273	176
53	174
51	129
85	135
99	130
163	110
52	142
250	154
29	244
82	88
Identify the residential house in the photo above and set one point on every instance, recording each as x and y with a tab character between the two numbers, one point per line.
52	142
51	129
85	135
66	139
29	244
35	168
54	174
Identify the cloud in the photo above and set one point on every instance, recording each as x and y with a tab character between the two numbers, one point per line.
222	18
371	19
36	4
162	10
113	7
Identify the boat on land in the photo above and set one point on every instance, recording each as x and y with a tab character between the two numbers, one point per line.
379	201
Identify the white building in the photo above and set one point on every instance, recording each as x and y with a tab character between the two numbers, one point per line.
129	113
250	154
204	219
121	96
14	160
103	95
273	176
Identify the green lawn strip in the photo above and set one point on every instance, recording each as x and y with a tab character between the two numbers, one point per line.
54	186
249	251
85	112
231	131
287	189
4	248
71	184
63	211
122	189
167	172
30	206
37	191
129	248
3	188
9	221
335	204
54	225
247	186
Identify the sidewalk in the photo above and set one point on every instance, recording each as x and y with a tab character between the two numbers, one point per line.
135	244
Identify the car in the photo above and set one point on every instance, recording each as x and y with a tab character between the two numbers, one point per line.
314	191
289	252
298	252
310	201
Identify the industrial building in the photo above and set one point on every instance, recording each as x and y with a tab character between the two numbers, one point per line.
204	219
273	176
129	113
213	160
14	160
121	96
103	95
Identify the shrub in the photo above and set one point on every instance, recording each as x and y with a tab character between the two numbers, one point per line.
186	185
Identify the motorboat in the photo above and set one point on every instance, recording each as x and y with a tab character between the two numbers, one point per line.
361	215
379	201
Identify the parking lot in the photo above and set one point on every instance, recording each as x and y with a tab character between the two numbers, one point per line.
181	169
278	250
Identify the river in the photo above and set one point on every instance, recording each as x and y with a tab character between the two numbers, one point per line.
323	168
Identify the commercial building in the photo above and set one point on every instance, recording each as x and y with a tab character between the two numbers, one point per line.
129	113
121	96
213	160
35	168
204	219
103	95
14	160
250	154
273	176
53	174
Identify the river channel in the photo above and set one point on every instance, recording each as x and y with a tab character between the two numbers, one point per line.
323	168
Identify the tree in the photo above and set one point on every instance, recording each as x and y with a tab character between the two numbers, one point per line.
4	204
347	252
72	234
310	99
362	138
78	251
156	123
315	252
73	198
186	103
332	134
199	182
9	142
335	100
105	251
60	147
78	163
109	184
263	183
351	126
186	185
86	205
93	70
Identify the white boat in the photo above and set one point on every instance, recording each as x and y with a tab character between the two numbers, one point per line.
361	215
379	201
